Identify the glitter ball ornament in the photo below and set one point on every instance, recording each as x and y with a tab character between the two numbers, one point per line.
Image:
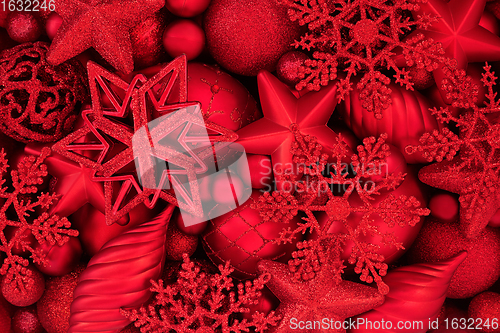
184	37
146	40
245	36
38	102
420	77
27	294
178	243
404	121
288	66
54	307
243	237
479	271
187	8
6	312
23	27
26	321
224	100
486	307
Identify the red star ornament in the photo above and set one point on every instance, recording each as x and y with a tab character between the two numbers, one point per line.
304	303
74	184
272	134
114	161
457	29
101	24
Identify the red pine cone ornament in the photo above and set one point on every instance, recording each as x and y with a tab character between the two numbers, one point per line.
416	292
118	276
38	101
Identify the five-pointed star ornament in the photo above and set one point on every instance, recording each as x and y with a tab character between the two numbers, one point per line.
119	156
273	135
457	29
305	303
102	24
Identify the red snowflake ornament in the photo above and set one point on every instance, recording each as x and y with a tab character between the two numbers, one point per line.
473	173
198	302
17	211
360	36
315	193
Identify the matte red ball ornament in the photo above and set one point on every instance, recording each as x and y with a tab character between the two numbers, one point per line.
147	42
242	237
287	69
53	23
26	320
187	8
184	37
261	172
32	292
486	307
479	271
54	307
195	229
23	27
61	259
444	206
224	100
245	36
224	192
404	122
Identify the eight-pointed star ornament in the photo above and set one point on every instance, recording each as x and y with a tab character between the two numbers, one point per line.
457	29
102	24
120	110
305	303
273	135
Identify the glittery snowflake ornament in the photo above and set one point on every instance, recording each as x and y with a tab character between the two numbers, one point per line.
360	36
18	202
469	163
202	303
315	193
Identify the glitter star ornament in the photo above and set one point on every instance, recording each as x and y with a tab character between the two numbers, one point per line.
304	303
115	149
271	135
102	24
474	172
457	29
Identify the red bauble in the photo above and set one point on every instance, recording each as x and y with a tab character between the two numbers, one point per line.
184	37
225	193
421	78
395	164
94	232
26	321
451	313
405	235
146	37
23	27
287	69
444	206
242	237
245	36
486	307
495	220
32	292
61	259
187	8
38	101
54	307
261	172
179	243
224	100
53	23
6	312
405	121
267	302
439	241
